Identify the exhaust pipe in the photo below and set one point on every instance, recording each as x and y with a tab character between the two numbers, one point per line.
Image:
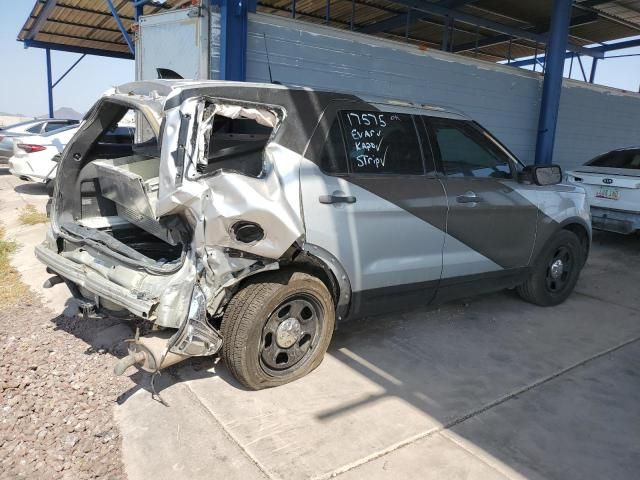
150	353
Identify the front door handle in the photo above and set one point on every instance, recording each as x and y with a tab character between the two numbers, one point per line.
337	199
469	197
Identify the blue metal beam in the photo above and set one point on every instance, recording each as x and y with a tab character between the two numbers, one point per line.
49	84
441	11
552	87
121	26
594	67
139	9
603	49
68	70
399	20
233	38
73	49
577	21
41	19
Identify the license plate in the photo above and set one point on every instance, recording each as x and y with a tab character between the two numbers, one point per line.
610	193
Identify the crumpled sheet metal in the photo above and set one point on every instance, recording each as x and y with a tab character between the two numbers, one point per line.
215	203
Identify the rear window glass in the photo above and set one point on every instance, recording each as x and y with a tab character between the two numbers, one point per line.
381	143
623	159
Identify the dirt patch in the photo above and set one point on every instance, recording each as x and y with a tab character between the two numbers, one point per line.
11	288
31	216
57	391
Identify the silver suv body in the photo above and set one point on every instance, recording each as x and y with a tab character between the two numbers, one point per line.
248	218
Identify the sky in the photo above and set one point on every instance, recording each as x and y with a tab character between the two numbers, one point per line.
23	82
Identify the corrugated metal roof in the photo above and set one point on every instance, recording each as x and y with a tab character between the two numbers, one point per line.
88	24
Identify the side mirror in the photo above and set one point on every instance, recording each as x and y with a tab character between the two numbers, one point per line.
544	174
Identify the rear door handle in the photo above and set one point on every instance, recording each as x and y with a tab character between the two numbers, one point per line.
469	197
337	199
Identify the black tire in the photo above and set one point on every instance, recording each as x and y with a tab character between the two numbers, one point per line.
548	285
260	322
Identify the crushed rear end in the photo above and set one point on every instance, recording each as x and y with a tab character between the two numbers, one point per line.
166	228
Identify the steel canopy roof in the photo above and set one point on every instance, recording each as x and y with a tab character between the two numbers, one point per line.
87	26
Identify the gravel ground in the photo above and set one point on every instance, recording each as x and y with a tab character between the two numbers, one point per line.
57	393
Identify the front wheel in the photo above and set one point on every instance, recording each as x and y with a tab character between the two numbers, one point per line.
277	329
555	272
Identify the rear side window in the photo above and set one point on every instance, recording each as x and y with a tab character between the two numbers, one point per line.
622	159
381	143
37	128
466	151
51	126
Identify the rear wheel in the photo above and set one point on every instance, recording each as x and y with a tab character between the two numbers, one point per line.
555	272
277	329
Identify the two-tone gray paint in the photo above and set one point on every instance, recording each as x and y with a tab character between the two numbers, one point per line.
404	234
505	100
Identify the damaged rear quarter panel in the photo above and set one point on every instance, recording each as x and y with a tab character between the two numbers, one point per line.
213	204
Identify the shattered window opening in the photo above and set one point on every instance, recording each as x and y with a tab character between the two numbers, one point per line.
234	138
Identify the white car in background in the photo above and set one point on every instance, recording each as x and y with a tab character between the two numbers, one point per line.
28	128
32	158
612	182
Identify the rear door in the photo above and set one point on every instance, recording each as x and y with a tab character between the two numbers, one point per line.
491	228
371	199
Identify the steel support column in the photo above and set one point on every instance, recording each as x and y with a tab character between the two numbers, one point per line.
550	104
594	67
233	38
123	30
49	83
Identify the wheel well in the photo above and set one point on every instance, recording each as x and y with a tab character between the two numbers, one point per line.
583	235
312	266
301	263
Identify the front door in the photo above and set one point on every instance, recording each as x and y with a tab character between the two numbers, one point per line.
369	200
491	228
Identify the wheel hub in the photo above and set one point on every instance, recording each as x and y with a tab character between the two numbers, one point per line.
288	332
557	269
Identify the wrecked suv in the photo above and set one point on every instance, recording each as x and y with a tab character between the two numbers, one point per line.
249	218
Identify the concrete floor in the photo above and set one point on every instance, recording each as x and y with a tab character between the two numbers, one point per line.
487	388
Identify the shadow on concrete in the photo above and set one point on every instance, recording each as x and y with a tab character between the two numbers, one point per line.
544	392
528	386
4	170
31	189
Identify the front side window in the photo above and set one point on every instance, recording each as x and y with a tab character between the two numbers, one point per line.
381	143
466	151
